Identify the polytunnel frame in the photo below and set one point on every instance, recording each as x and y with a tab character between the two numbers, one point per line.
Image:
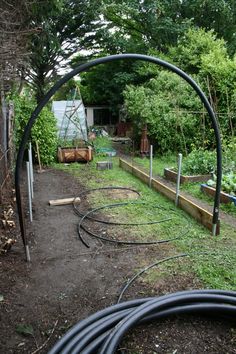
84	67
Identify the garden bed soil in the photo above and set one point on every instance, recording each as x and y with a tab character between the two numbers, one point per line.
171	175
66	282
224	197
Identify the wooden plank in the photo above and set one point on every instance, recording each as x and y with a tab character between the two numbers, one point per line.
201	215
64	201
164	190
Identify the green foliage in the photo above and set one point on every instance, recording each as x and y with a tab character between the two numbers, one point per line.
164	103
44	130
102	142
104	84
175	116
156	23
200	52
65	27
195	44
229	155
199	162
64	93
24	329
218	15
228	183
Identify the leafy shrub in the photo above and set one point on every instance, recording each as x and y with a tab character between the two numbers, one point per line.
44	130
166	104
228	183
199	162
229	156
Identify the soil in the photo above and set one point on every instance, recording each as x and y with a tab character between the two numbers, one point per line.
66	282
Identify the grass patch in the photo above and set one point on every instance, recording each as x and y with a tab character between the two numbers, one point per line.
215	268
159	163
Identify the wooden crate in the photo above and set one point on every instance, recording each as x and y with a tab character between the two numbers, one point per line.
74	154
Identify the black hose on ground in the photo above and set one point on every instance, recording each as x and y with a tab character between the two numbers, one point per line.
103	331
184	230
131	280
80	195
109	222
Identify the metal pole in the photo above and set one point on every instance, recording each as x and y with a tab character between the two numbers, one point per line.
38	154
178	179
29	190
31	170
150	166
31	162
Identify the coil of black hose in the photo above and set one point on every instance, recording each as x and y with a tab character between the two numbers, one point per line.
103	331
88	215
88	191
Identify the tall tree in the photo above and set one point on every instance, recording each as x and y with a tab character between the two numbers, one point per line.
14	38
219	15
155	23
65	29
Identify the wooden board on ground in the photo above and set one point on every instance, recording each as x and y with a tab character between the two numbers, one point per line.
64	201
201	215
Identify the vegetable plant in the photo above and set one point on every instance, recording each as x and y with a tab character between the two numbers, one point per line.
199	161
228	183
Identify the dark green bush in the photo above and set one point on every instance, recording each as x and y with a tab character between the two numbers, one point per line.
44	130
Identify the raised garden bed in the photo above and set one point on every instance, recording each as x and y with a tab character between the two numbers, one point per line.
74	154
171	175
224	197
198	213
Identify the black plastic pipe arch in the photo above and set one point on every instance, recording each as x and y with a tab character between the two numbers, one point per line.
85	67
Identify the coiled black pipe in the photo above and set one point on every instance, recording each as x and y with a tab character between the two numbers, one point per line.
82	194
103	331
184	230
87	215
131	280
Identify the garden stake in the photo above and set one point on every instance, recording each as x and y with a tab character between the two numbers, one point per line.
178	179
31	170
29	190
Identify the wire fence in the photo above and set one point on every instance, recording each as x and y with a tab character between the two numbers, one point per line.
6	149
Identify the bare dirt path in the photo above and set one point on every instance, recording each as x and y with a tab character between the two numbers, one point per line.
66	282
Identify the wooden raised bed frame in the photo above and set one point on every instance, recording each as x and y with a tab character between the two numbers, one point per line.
171	175
201	215
224	197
